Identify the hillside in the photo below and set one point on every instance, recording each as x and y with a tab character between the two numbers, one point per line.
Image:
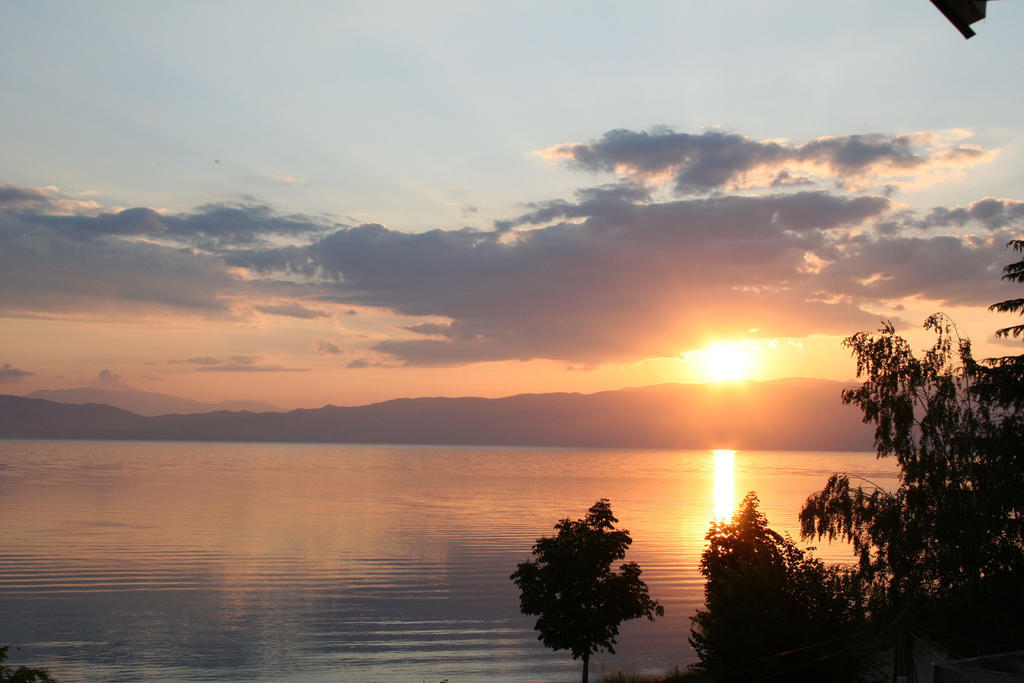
143	402
800	414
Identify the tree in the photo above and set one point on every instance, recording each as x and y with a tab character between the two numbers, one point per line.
1004	380
943	550
1014	272
571	585
22	674
771	610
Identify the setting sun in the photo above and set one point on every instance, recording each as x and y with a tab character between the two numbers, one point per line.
724	362
323	336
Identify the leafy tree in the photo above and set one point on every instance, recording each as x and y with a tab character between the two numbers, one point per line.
771	610
944	550
571	585
22	674
1014	272
1004	381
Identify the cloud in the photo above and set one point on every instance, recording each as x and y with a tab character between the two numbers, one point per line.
958	271
248	367
12	375
14	196
617	276
590	201
292	310
109	380
48	201
465	210
990	213
360	363
617	272
714	160
448	331
629	280
786	179
134	262
234	364
115	277
211	226
802	211
326	347
198	360
239	367
612	275
289	180
75	207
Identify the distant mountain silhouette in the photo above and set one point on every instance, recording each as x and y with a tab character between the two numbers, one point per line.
144	402
790	414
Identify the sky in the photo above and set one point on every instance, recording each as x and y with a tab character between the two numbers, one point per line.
340	203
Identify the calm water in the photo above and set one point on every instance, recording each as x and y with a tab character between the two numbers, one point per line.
267	562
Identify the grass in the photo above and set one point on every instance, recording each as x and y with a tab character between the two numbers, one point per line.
688	676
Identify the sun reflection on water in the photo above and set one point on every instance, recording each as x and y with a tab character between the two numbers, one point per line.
725	498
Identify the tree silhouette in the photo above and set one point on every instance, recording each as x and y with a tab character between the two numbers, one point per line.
22	674
945	548
571	585
1014	272
1004	381
771	610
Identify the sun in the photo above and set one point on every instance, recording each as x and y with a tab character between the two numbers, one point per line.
726	362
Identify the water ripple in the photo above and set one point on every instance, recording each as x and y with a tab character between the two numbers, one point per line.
270	562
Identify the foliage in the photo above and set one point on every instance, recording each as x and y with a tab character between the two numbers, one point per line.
676	676
1004	379
952	531
571	586
22	674
1014	272
772	610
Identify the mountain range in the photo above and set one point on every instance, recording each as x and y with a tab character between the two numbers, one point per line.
789	414
144	402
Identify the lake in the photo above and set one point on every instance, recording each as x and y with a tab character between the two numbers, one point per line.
132	561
